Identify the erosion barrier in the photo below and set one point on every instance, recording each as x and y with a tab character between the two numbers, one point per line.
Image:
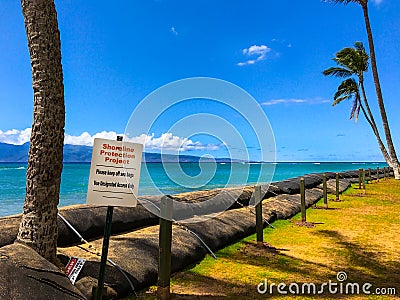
134	244
89	220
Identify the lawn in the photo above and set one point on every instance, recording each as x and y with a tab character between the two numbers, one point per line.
358	236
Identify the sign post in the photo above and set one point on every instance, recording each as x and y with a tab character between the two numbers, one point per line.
100	291
113	181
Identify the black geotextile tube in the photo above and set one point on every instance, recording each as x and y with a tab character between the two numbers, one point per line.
89	220
136	252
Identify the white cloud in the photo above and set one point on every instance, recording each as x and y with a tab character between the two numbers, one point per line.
245	63
14	136
259	51
167	141
173	30
282	101
256	50
86	139
377	2
293	100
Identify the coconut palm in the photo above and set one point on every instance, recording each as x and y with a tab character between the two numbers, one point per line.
348	90
354	61
38	228
392	152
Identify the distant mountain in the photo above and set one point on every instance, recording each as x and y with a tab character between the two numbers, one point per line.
14	153
157	157
19	153
75	153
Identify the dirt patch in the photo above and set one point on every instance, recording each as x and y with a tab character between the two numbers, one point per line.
265	249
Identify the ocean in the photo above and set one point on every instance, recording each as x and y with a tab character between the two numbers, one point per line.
154	179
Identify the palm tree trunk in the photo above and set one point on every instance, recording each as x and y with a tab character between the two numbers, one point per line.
392	151
380	143
38	228
371	121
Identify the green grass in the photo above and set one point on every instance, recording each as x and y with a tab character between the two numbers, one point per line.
358	235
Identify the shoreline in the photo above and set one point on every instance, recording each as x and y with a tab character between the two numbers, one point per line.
135	231
75	179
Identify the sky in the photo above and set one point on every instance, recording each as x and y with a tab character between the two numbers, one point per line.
115	55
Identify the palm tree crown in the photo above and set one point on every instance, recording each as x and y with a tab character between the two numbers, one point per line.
350	61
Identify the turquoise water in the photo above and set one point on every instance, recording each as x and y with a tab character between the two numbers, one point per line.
155	180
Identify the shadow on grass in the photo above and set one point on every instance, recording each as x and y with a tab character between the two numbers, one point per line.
204	287
363	266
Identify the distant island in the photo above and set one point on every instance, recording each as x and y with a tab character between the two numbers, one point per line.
83	154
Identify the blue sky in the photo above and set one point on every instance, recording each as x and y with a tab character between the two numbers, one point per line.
114	55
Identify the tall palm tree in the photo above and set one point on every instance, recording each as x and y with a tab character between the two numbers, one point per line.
38	227
392	151
354	61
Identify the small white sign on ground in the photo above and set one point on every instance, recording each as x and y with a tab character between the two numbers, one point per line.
74	267
114	173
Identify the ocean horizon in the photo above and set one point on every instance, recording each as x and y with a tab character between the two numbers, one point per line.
172	178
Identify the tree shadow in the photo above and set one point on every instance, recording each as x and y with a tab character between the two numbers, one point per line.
195	286
364	263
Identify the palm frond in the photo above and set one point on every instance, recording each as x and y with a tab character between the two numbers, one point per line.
339	99
337	72
343	1
355	109
346	91
359	46
348	86
354	59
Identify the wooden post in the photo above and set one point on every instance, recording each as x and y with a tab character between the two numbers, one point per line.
369	175
377	173
100	291
337	187
359	178
363	178
325	190
165	241
259	218
303	200
384	173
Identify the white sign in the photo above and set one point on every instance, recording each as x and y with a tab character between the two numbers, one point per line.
114	173
74	267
